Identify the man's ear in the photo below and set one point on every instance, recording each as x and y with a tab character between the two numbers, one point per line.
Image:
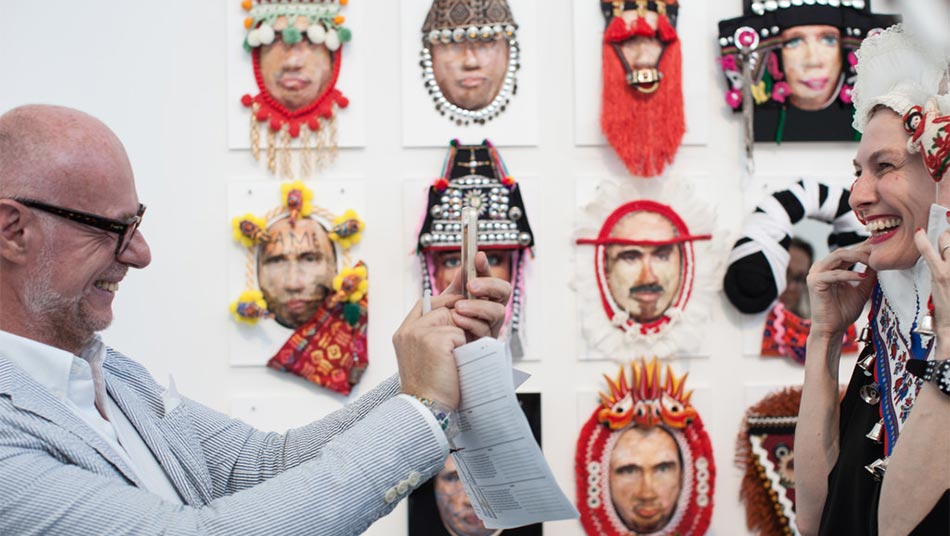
13	232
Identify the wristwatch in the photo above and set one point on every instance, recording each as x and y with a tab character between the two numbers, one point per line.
937	372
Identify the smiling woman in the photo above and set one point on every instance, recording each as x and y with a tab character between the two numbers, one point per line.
880	463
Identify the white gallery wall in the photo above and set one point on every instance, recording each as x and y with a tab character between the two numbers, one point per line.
157	73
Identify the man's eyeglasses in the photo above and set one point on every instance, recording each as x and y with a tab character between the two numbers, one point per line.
124	229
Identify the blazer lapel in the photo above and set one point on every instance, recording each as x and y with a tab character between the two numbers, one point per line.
28	395
165	440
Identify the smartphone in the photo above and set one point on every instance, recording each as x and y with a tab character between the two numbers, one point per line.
469	246
937	225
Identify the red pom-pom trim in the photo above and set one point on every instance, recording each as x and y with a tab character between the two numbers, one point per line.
321	107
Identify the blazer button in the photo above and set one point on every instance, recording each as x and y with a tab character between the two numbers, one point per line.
390	495
414	478
402	487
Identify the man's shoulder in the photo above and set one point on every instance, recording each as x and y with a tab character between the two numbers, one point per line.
127	369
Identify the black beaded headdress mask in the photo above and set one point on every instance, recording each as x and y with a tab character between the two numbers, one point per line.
475	176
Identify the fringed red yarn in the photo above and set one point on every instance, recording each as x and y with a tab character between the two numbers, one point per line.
665	30
617	31
645	129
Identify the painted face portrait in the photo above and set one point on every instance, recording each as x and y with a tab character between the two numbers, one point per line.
646	476
295	75
448	264
454	506
295	269
644	279
471	73
811	57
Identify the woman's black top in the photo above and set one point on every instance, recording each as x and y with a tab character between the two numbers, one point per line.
853	493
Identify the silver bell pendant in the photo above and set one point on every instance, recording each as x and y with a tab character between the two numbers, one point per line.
877	468
870	394
866	362
926	326
877	432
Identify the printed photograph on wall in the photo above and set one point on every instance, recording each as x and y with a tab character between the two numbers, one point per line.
475	176
301	274
288	82
644	462
465	68
770	261
440	507
643	279
790	66
765	452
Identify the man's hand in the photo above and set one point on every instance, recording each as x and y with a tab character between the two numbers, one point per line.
424	344
484	314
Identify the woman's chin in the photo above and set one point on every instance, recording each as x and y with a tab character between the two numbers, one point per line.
881	261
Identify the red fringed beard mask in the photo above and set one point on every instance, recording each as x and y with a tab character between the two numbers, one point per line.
643	122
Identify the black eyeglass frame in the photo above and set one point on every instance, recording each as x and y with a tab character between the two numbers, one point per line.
124	229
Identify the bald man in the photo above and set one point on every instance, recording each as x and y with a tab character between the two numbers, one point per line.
91	444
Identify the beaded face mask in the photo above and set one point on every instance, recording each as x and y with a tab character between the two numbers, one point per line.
475	176
765	448
300	274
644	462
296	47
639	274
470	58
642	99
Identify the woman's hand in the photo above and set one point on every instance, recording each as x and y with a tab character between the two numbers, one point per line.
837	294
939	263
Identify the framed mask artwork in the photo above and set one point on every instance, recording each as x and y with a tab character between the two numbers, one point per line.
790	67
644	462
765	451
293	81
467	65
475	176
303	295
644	270
440	506
769	263
637	82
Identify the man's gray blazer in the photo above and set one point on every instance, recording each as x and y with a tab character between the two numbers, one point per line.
334	476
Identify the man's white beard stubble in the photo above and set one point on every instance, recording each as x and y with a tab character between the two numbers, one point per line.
55	316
